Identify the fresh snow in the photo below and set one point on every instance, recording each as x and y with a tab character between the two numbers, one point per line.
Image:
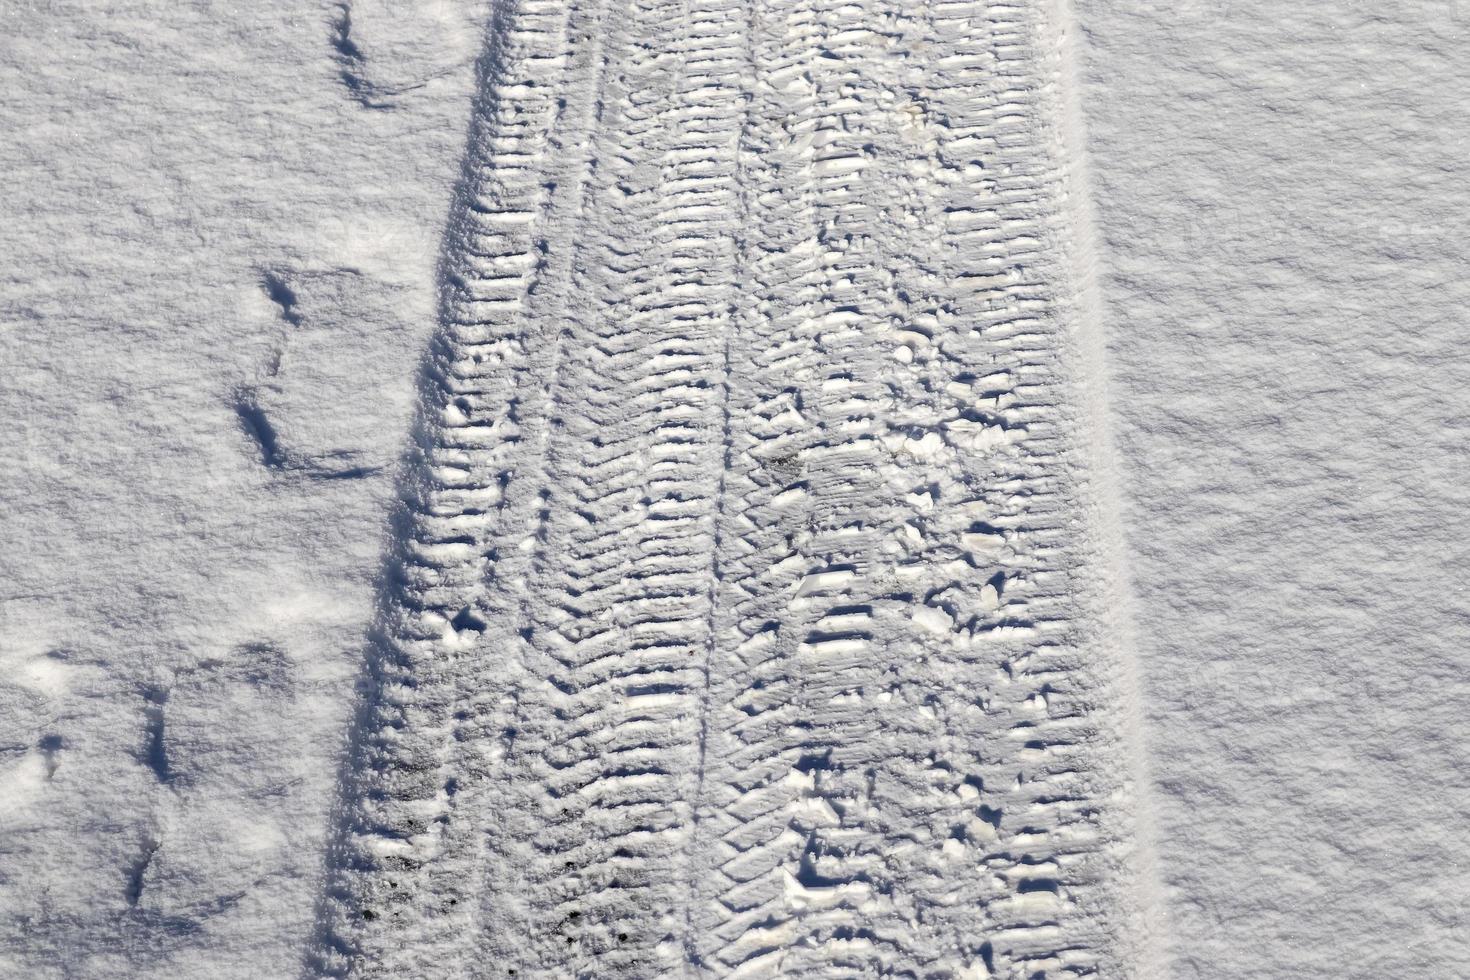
761	488
1281	202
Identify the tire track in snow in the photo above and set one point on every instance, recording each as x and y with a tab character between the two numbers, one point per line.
569	659
902	728
590	832
401	888
749	619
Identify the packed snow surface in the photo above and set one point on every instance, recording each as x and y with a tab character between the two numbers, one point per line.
756	488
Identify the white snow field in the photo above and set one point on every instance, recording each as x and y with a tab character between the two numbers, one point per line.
1283	205
751	488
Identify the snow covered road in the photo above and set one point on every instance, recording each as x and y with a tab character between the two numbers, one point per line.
750	615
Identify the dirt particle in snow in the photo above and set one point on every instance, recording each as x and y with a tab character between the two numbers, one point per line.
786	467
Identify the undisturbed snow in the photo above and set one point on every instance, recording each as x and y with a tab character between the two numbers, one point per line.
204	227
1282	200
